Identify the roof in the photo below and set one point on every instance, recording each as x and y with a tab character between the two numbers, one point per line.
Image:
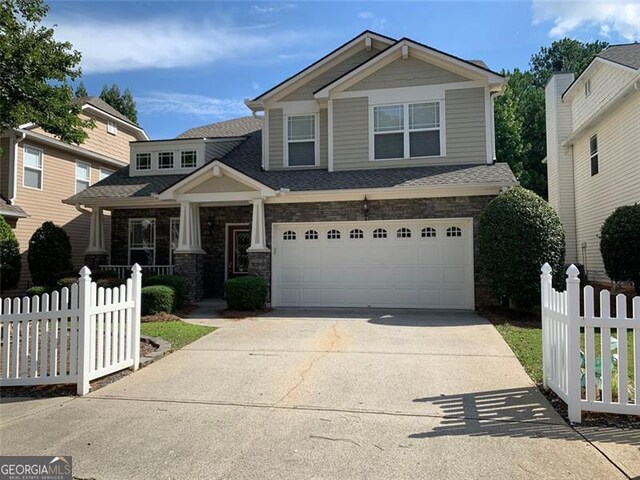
625	54
237	127
9	210
100	104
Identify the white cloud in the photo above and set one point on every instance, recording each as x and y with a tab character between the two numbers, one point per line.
619	16
270	8
375	22
256	86
124	45
188	104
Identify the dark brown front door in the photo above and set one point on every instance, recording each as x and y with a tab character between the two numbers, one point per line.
238	240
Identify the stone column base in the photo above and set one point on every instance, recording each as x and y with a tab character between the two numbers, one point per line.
94	260
260	265
190	266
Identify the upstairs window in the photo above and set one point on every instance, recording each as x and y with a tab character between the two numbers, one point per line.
165	160
188	159
112	128
406	131
32	168
83	176
105	172
143	161
593	151
301	141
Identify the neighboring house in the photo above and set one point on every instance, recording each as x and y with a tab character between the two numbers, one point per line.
593	148
360	185
38	171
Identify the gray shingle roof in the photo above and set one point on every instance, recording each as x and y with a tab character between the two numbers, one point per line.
105	107
9	210
238	127
627	54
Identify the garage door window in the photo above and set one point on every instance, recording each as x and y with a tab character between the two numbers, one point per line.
311	235
454	232
333	235
428	232
379	233
403	233
356	233
289	235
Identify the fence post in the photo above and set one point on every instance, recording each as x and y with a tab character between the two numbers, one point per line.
84	330
545	289
136	284
574	388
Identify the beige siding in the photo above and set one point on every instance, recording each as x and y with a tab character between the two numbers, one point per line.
219	184
606	82
323	138
46	204
351	133
617	182
465	125
305	92
408	72
276	126
4	166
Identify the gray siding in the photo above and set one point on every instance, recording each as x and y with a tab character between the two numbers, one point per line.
276	126
324	152
215	150
351	134
465	117
407	73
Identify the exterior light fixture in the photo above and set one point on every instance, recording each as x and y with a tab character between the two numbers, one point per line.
365	208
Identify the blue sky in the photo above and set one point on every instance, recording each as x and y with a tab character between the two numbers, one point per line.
193	63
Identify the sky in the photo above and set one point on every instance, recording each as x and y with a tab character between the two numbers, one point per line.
194	63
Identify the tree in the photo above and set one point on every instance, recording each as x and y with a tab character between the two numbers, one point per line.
49	254
81	91
518	233
620	245
124	103
10	261
520	111
35	71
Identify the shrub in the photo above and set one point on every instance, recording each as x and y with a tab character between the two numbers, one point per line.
38	290
67	282
10	261
174	281
157	298
101	274
620	245
518	233
246	293
110	282
49	253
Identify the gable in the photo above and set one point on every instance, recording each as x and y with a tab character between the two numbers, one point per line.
409	72
221	184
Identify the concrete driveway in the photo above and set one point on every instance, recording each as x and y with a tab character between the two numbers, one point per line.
329	394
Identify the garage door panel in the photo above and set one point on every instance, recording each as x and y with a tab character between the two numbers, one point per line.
455	275
290	275
429	254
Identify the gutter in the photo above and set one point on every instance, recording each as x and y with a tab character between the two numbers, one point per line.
13	165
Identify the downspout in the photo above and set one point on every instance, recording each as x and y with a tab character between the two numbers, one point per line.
82	210
13	166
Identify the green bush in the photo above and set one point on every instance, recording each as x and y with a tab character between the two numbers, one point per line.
518	233
49	254
246	293
620	245
67	282
10	261
38	290
157	298
110	282
101	274
174	281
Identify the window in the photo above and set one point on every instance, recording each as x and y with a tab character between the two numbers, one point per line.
188	159
428	232
587	87
83	175
142	241
403	233
454	232
311	235
407	130
289	235
32	168
174	236
379	233
301	145
112	128
333	235
143	161
593	151
165	160
356	233
105	172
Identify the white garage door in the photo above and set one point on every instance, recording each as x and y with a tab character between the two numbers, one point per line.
407	264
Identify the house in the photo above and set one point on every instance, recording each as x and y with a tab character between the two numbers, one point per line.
38	171
593	148
357	182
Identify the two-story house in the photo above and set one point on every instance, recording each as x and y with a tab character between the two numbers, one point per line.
38	171
593	148
358	182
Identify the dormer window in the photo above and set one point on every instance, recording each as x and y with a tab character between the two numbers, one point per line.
301	141
188	159
587	87
143	161
165	160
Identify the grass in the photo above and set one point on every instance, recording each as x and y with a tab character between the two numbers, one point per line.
177	333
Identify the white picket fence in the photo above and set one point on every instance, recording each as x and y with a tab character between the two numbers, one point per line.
589	375
122	271
74	335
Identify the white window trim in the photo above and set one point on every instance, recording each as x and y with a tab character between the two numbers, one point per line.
587	87
129	248
25	167
112	127
180	167
79	162
406	131
316	140
173	160
594	154
135	162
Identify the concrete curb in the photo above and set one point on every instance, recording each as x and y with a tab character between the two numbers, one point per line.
162	348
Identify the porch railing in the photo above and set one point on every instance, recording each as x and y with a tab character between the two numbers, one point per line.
123	271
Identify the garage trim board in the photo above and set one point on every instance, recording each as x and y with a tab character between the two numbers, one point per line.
416	263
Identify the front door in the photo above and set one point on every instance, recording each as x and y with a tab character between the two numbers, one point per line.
238	240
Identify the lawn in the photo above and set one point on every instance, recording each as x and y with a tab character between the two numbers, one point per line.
177	333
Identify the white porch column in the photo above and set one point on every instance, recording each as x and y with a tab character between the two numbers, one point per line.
96	232
258	231
189	234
